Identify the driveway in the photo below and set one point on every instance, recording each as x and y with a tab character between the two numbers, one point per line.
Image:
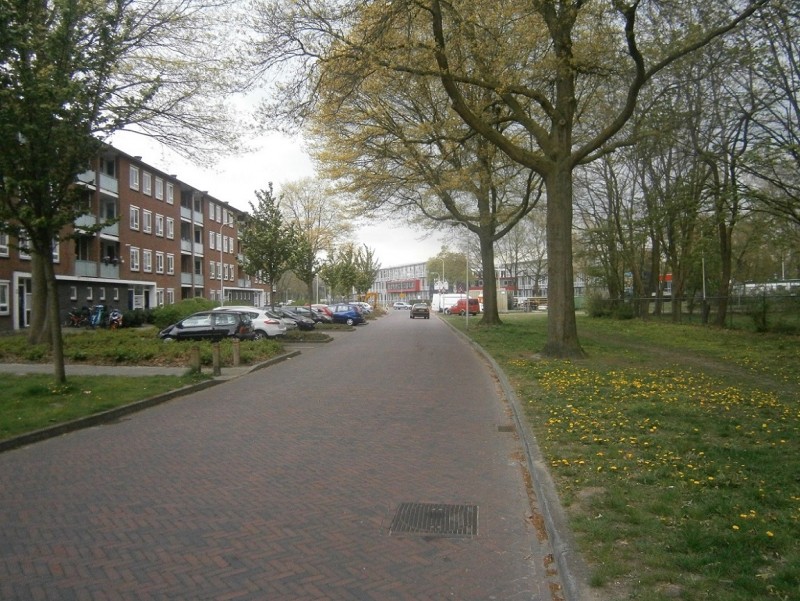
381	466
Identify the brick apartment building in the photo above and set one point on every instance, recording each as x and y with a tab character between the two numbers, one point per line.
170	242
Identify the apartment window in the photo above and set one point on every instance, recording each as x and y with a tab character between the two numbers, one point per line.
116	294
219	214
170	228
147	183
89	293
211	208
134	259
147	261
212	271
3	244
219	270
159	297
170	263
73	293
170	193
147	222
219	241
170	296
5	290
134	218
24	246
159	225
101	294
159	262
211	237
56	251
159	189
134	179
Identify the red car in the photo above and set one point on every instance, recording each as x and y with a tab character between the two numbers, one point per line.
460	308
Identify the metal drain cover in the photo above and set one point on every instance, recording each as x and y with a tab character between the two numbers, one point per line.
433	519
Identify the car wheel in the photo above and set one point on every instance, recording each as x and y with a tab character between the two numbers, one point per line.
258	335
168	339
350	321
462	313
447	311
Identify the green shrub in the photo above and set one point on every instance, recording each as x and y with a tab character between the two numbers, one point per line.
169	314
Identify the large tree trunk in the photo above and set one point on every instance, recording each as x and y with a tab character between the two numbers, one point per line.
490	316
39	331
562	329
57	344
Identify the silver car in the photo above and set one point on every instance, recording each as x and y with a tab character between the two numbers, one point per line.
265	324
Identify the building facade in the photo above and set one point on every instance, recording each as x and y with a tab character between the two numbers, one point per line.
166	241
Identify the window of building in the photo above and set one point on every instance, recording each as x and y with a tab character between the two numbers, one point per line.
219	214
147	221
116	294
159	297
212	271
159	188
211	237
159	262
134	179
24	246
134	218
147	261
170	228
3	244
159	225
5	289
211	210
134	259
89	293
56	251
170	263
170	296
170	193
147	183
73	293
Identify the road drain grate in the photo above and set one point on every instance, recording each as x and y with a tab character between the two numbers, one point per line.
433	519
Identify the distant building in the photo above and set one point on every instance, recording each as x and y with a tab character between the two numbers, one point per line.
170	242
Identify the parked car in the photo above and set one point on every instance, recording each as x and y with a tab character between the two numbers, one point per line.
317	316
365	307
265	324
348	314
211	325
460	308
290	323
420	310
303	323
401	305
323	309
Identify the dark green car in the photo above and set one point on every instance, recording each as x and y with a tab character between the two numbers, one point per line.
420	310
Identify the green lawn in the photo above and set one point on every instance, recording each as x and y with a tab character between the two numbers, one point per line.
32	402
675	449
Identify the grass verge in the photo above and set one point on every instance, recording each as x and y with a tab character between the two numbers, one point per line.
675	449
32	402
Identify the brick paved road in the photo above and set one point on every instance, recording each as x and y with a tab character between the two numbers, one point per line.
282	484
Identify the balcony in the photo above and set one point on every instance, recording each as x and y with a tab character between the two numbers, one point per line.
108	183
86	269
191	279
109	271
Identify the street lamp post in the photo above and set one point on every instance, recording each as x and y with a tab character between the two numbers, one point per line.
221	280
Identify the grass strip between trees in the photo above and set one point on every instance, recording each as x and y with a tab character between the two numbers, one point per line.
675	449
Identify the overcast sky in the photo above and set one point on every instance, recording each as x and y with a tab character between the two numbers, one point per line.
280	160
